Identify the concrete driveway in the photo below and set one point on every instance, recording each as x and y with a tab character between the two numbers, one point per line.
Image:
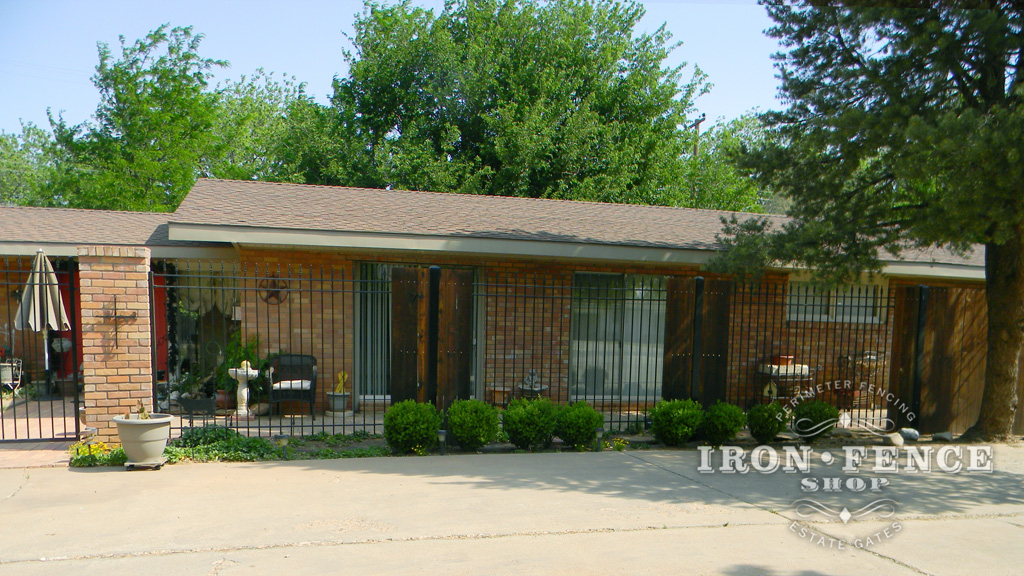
636	512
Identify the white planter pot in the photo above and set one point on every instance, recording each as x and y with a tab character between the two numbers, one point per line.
144	440
337	402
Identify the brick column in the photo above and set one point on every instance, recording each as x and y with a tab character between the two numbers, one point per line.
115	377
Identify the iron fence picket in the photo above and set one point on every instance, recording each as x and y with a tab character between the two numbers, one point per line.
43	403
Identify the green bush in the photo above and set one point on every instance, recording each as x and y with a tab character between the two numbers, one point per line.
530	424
812	420
721	423
766	421
577	424
204	436
673	422
220	444
473	423
411	426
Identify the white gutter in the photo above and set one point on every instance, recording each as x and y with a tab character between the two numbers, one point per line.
260	236
421	243
935	270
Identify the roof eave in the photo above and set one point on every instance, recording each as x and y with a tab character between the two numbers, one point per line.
64	249
249	235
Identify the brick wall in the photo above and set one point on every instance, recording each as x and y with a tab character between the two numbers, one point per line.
316	317
117	371
526	315
526	312
759	329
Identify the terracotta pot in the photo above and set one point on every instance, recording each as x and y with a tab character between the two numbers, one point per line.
782	360
225	400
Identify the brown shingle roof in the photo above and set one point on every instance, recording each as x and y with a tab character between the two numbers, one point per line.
338	209
23	224
342	209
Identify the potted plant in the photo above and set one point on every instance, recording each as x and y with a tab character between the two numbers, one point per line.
194	396
225	398
143	437
337	401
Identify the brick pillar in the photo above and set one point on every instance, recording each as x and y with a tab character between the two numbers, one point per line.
115	377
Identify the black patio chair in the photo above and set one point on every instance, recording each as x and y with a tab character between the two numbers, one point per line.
293	378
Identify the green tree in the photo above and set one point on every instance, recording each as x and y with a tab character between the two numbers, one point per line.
251	128
712	177
26	166
903	131
151	131
551	99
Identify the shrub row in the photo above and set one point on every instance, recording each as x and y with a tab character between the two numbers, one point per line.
674	422
529	424
532	424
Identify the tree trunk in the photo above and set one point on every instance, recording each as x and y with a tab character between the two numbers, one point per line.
1004	294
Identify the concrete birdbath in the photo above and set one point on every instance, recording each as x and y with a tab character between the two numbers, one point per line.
243	374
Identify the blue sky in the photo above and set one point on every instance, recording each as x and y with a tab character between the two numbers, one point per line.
48	47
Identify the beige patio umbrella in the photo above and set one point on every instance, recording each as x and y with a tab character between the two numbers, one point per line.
41	308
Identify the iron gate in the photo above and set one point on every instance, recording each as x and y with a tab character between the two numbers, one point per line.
40	383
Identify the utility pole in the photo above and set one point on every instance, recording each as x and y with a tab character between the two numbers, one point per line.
696	137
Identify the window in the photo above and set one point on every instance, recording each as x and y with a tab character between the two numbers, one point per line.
617	335
374	343
861	304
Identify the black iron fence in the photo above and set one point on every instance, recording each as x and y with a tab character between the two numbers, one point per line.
291	325
380	333
623	342
40	393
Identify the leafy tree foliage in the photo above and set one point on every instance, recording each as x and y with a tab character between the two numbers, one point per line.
251	129
903	131
151	130
26	167
551	99
510	97
711	177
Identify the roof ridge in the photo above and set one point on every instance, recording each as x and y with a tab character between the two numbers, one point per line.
496	196
84	210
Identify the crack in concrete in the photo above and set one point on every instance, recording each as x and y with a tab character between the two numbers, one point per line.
878	555
333	543
696	481
781	515
24	482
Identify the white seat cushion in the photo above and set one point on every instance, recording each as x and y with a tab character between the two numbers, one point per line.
292	385
792	370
